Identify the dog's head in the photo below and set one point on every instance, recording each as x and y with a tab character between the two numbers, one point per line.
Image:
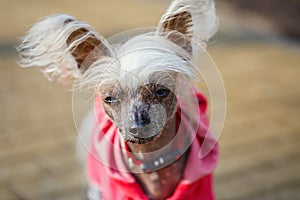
137	80
140	110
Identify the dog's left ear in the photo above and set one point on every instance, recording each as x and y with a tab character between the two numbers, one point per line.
196	20
63	47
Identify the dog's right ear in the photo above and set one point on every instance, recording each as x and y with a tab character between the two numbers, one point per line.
62	46
195	20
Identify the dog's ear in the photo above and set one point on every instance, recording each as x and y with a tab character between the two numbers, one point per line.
195	20
62	46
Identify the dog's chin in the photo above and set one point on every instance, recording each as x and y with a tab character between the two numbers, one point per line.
133	138
136	140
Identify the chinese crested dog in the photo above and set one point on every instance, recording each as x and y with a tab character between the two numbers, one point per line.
148	122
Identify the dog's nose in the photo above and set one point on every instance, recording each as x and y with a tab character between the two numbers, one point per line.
141	116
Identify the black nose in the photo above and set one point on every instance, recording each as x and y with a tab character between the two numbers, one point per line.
141	116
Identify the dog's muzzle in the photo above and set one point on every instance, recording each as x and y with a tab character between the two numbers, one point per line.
141	117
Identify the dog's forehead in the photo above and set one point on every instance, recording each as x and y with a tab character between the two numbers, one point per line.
138	69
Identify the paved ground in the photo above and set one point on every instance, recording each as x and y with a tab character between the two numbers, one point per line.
260	142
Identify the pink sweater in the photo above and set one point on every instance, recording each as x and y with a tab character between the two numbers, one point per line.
107	171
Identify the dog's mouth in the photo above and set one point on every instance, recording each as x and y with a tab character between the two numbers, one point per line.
140	131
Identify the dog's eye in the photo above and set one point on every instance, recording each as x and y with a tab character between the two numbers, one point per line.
110	99
162	92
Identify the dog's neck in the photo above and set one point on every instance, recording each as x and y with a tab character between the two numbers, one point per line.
151	182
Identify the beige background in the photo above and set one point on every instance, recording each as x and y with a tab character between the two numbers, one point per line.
260	141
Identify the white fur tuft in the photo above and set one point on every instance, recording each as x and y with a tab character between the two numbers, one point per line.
136	60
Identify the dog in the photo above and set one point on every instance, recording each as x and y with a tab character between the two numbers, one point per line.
150	122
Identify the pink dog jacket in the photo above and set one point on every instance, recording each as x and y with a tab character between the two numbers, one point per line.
110	179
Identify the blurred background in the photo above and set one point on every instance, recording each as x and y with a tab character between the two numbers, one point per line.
257	51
